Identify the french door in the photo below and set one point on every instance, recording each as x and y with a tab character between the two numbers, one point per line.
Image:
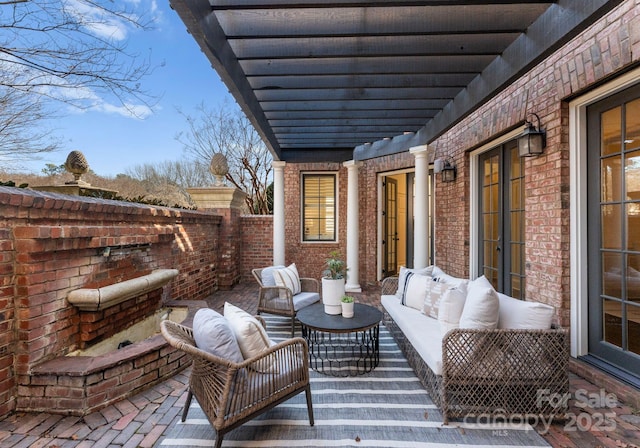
390	240
501	220
397	222
613	163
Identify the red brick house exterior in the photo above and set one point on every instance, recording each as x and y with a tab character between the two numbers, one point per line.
49	245
597	63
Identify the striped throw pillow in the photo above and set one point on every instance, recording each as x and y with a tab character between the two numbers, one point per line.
288	277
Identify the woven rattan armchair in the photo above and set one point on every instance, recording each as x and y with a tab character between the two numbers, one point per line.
231	394
280	301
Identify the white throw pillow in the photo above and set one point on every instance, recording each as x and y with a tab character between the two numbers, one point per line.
450	309
435	290
214	335
267	275
451	280
288	277
415	291
482	306
402	278
250	334
522	315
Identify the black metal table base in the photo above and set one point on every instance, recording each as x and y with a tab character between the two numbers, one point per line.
343	354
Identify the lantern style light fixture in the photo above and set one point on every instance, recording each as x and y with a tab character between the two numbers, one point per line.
533	140
447	167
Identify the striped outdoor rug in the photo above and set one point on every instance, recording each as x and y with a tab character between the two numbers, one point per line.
385	408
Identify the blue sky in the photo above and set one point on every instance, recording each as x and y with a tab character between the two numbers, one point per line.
113	142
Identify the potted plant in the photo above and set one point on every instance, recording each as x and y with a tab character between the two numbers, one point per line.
333	279
347	303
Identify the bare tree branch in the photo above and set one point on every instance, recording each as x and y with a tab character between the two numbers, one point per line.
22	134
70	51
228	131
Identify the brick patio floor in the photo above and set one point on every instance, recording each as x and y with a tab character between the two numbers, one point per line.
142	420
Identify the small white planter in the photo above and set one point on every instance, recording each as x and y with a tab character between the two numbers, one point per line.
347	309
332	292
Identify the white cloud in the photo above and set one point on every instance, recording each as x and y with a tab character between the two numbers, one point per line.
94	19
139	111
81	98
84	99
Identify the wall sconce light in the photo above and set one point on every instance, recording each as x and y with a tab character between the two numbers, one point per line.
447	167
533	140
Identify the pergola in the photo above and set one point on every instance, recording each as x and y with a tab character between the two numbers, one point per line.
337	80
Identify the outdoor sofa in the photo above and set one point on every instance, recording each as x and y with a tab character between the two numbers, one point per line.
508	363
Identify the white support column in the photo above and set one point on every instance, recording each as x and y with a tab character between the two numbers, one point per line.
353	228
278	212
421	207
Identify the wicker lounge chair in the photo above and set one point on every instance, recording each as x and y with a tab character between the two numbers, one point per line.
279	300
231	394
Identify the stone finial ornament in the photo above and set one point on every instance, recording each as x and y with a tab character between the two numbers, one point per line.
77	165
219	168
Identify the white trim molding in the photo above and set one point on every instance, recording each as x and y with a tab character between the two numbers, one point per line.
578	209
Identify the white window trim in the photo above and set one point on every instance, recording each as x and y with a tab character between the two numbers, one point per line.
336	176
474	192
578	206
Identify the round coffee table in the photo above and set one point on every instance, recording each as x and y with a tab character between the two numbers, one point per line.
341	346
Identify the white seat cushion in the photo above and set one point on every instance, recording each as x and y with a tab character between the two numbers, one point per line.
305	299
421	331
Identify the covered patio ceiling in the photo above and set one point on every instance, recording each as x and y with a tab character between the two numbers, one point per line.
334	80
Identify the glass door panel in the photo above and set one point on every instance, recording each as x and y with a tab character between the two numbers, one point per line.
614	231
391	227
502	219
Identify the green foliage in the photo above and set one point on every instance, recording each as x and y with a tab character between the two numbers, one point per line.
336	266
347	299
51	169
270	198
269	195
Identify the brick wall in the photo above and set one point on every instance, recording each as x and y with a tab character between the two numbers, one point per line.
96	326
257	244
310	256
7	323
609	46
51	244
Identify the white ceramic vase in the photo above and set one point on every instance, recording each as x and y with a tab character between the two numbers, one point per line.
347	309
332	292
